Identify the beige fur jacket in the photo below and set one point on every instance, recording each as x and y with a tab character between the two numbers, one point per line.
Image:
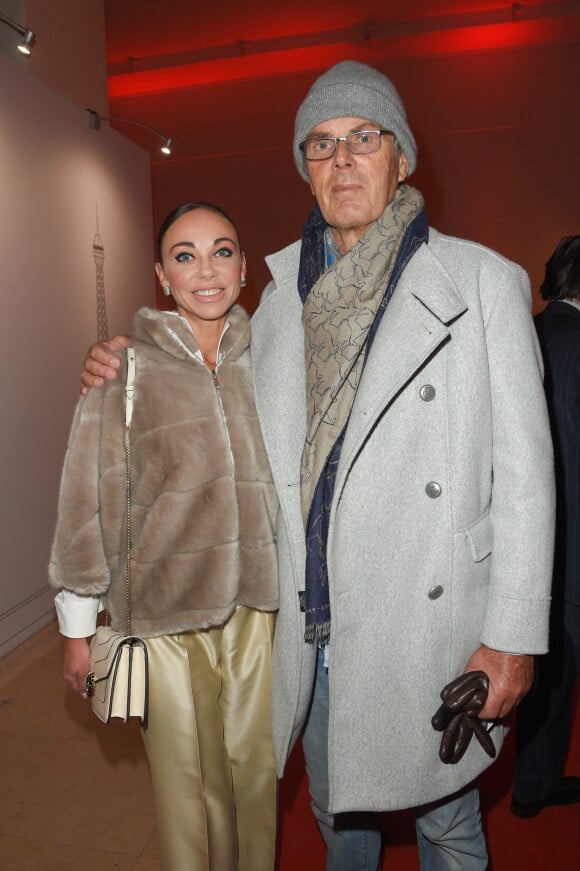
203	503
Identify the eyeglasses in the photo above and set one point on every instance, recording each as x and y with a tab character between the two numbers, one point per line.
359	142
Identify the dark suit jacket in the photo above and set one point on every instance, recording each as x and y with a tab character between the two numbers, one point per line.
558	329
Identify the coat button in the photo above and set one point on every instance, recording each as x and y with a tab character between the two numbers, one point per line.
433	490
427	392
435	592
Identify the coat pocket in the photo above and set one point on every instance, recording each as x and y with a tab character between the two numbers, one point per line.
479	537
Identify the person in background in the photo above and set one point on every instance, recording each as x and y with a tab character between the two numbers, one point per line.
203	563
399	391
544	718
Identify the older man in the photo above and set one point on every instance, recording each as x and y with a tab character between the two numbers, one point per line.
399	392
421	470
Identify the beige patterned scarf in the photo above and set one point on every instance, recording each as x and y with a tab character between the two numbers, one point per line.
337	316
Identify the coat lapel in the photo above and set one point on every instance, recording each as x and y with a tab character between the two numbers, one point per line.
279	373
413	327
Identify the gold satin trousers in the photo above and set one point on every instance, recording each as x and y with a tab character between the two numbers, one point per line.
209	745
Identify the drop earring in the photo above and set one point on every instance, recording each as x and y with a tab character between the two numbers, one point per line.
166	290
243	281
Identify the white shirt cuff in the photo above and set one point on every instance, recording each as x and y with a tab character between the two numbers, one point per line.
77	615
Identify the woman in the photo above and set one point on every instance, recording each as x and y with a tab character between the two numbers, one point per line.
203	569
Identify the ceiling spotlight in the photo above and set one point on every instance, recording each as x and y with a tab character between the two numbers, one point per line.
95	119
25	47
28	35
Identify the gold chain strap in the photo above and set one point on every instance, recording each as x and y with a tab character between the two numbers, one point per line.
128	562
129	396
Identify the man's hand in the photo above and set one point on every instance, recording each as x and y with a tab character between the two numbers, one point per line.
76	663
510	678
102	362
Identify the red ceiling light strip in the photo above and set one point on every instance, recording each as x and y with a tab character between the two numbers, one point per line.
509	27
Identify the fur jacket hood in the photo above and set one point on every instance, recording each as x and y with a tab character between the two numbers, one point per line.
203	506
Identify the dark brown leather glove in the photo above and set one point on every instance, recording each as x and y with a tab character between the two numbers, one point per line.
457	718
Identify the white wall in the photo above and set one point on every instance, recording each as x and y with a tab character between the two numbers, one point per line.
54	171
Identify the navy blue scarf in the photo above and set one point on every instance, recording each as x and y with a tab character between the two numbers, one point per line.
315	600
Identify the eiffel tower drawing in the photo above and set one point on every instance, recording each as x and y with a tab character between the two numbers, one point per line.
99	255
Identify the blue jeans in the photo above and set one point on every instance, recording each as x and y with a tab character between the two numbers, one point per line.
449	832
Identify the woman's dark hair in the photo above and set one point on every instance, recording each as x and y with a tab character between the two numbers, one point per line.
183	210
562	279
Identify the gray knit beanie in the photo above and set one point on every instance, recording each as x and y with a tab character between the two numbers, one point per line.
352	89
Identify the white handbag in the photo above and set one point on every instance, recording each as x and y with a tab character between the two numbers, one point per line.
117	682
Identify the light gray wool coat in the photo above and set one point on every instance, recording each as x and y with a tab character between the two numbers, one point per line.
203	502
446	487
